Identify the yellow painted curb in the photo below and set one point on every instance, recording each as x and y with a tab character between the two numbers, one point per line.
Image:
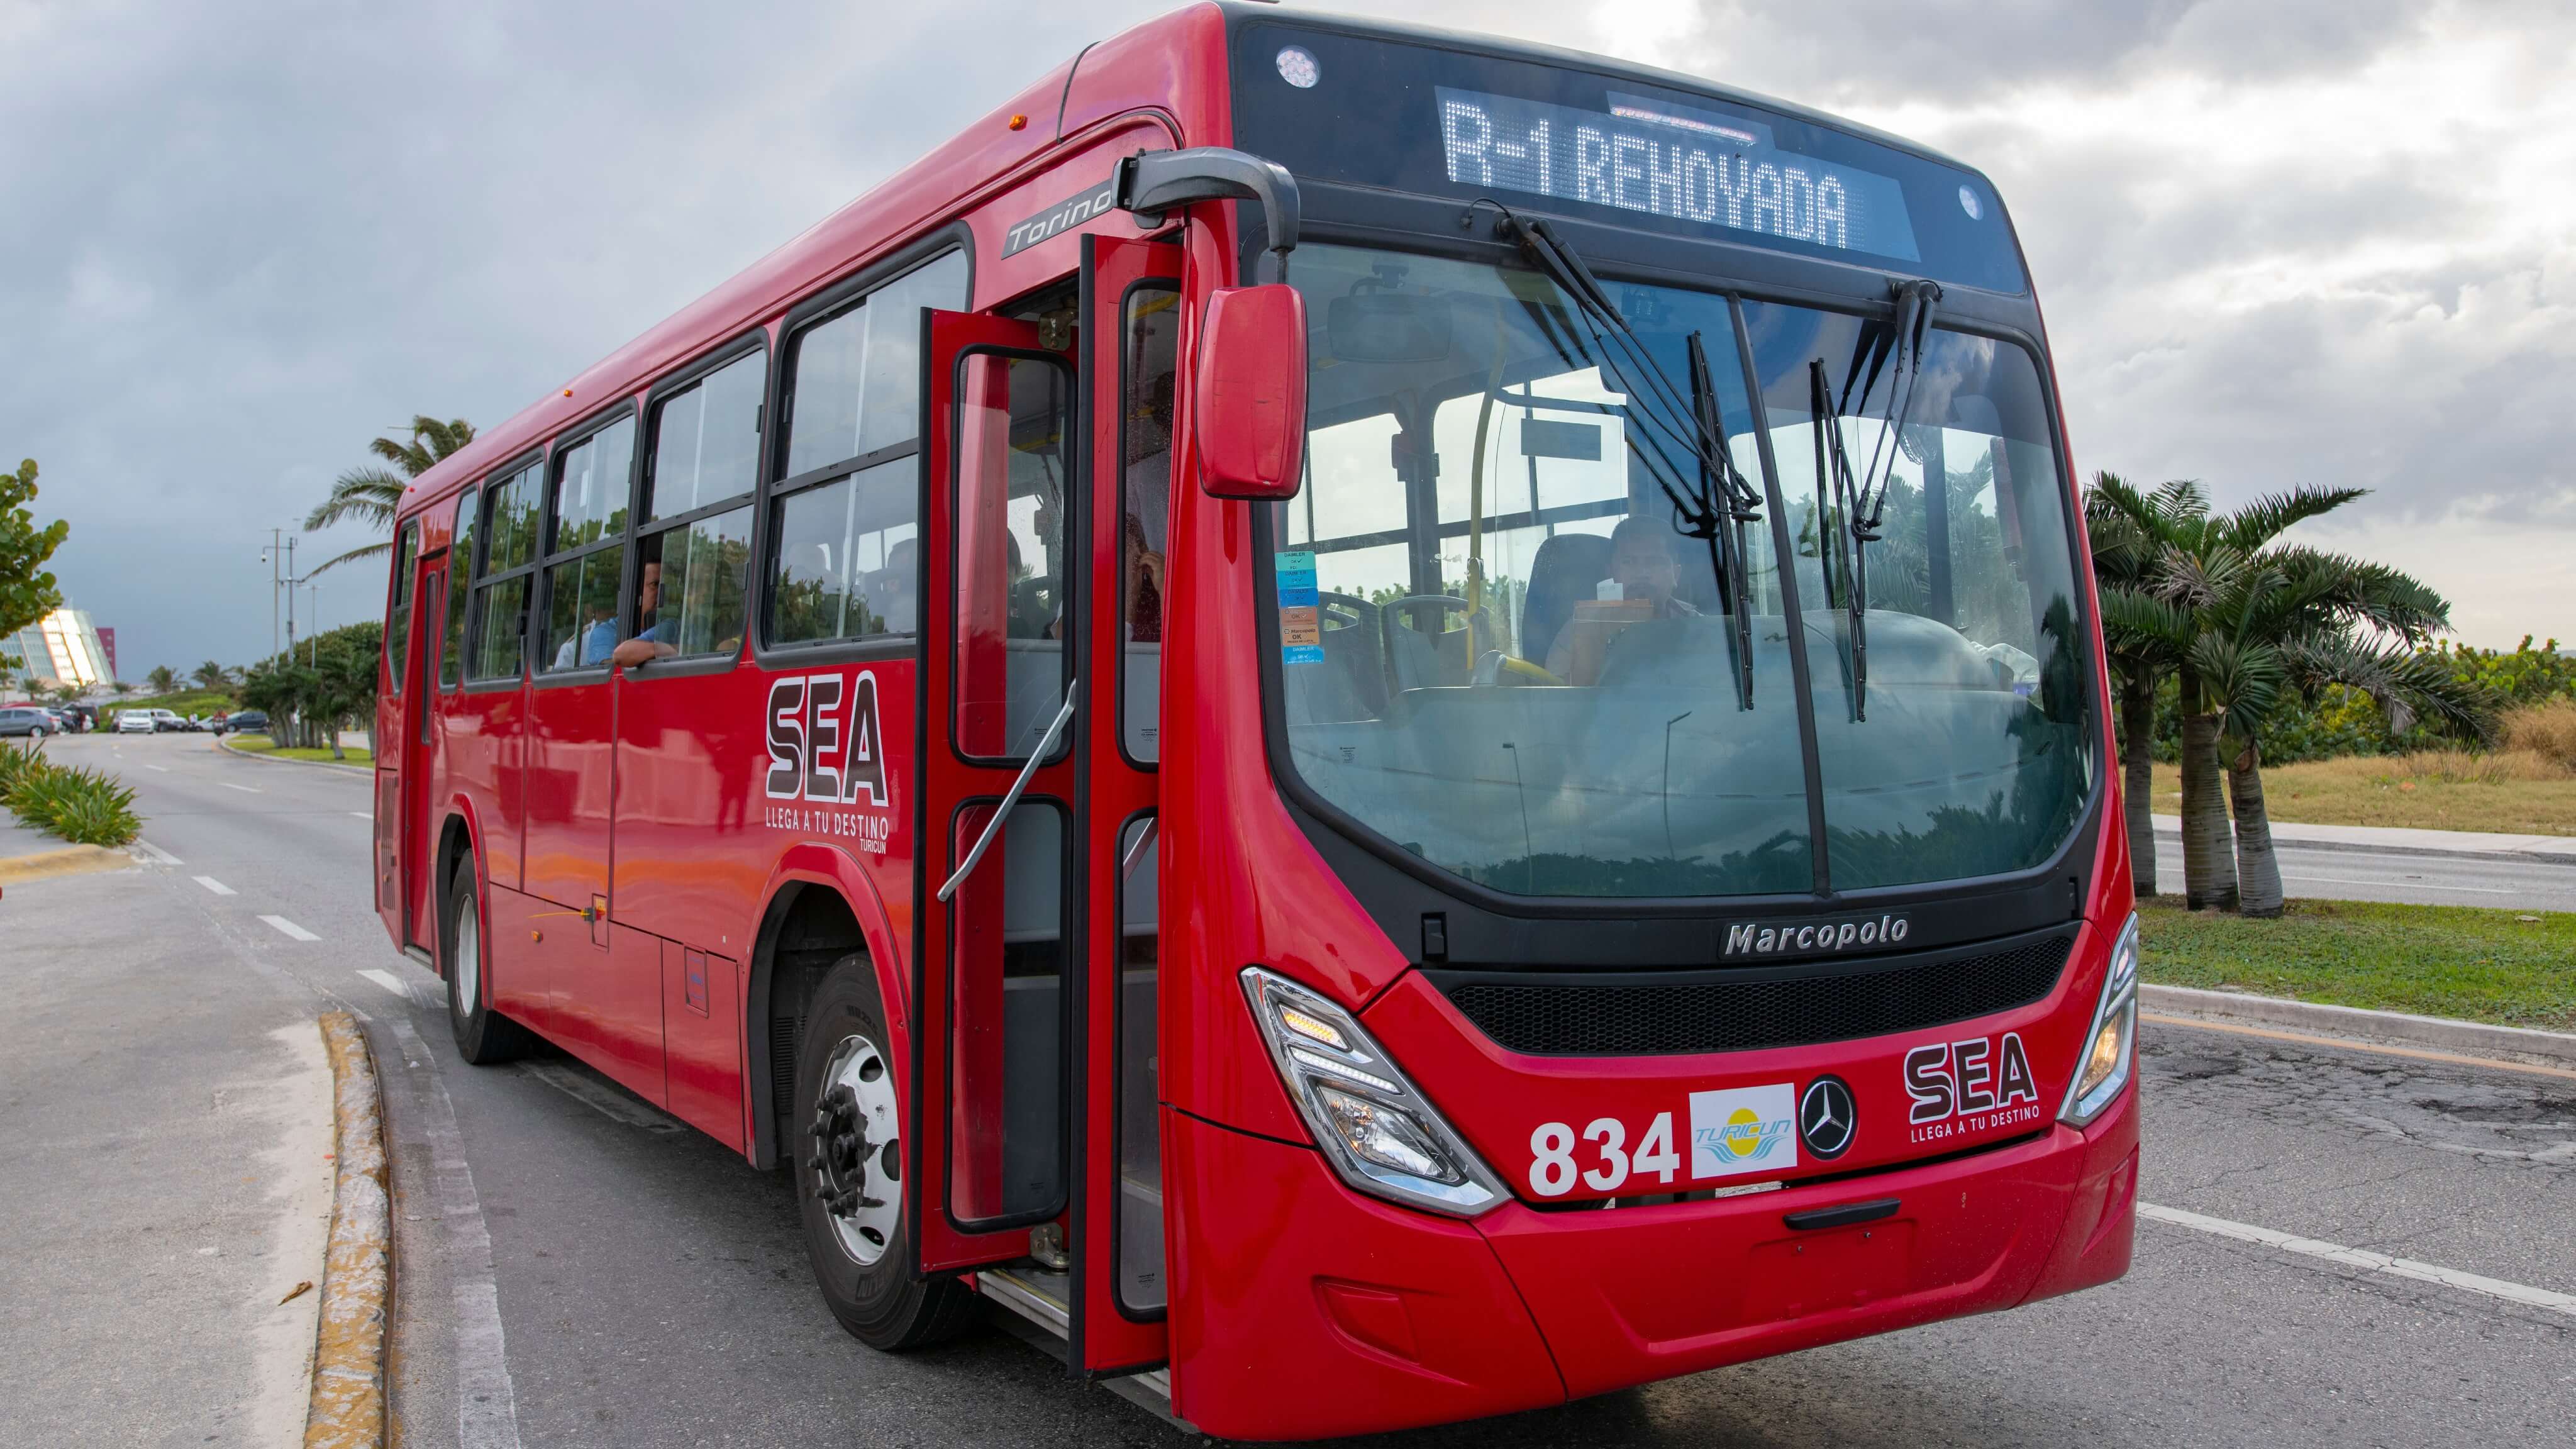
348	1405
77	860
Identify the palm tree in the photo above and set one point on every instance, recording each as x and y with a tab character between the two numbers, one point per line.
2122	552
370	495
213	676
2243	621
163	679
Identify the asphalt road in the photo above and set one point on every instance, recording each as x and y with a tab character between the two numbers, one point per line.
576	1270
2503	882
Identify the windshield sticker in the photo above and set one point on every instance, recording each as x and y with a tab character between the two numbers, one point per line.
1744	1129
1301	636
1672	161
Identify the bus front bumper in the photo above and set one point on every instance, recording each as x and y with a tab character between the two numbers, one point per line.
1385	1318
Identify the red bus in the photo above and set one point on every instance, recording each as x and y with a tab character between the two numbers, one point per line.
1331	705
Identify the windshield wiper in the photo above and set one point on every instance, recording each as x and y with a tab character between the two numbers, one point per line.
1861	500
1722	501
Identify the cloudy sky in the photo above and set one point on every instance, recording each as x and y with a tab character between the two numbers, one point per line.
2278	241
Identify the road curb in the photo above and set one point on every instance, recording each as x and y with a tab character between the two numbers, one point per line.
347	1409
226	749
2516	1043
2365	847
72	860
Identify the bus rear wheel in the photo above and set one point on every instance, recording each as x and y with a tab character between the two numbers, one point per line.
848	1148
484	1036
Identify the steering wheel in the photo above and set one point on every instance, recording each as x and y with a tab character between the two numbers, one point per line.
1349	613
1034	605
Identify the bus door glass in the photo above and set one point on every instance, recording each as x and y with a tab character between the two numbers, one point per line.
418	749
997	893
393	722
1130	330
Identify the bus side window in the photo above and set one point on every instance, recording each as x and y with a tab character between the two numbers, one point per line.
693	555
843	559
398	618
460	578
1149	356
593	480
501	579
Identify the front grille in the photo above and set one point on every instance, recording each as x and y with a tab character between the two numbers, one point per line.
1753	1008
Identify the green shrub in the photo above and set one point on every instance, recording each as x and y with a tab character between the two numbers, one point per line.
83	806
2342	722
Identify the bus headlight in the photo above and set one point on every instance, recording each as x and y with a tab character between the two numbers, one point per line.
2111	1047
1377	1131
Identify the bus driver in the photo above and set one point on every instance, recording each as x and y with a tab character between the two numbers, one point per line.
1643	574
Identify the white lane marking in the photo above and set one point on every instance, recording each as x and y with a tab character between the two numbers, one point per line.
388	981
487	1414
157	853
2521	1293
218	887
363	815
164	769
2403	885
290	929
599	1097
245	789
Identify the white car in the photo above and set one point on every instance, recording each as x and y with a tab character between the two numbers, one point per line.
135	722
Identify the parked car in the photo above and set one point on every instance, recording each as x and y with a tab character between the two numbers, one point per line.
28	720
136	722
245	719
167	721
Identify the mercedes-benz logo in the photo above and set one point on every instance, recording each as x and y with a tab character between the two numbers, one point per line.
1827	1119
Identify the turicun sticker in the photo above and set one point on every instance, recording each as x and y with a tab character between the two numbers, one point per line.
1744	1129
1301	632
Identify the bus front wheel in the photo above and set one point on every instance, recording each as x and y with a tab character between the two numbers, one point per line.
848	1147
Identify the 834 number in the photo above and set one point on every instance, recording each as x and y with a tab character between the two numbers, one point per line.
1553	1168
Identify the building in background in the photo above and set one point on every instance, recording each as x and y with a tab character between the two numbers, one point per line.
63	648
107	646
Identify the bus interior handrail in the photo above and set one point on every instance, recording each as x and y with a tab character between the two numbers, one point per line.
1011	798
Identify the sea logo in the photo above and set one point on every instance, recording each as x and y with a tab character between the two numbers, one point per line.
1744	1129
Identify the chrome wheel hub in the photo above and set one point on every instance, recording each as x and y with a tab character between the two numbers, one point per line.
856	1147
468	964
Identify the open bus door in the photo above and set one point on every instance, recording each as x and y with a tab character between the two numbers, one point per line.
1036	1130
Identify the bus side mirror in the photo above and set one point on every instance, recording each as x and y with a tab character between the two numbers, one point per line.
1249	404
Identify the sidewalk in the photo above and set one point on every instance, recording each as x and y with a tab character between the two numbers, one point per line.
2463	844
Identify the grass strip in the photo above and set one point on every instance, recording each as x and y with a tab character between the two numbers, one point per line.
2511	794
2513	968
250	744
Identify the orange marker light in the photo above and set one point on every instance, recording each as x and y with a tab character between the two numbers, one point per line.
1019	123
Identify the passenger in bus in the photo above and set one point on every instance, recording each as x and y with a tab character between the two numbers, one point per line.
889	591
1647	570
653	640
593	642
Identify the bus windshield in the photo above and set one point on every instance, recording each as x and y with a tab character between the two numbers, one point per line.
1498	651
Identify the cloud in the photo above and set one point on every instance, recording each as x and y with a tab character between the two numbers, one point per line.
2278	240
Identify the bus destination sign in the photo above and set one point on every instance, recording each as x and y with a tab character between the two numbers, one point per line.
1668	160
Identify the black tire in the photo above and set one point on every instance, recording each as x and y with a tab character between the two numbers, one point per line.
878	1301
484	1037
